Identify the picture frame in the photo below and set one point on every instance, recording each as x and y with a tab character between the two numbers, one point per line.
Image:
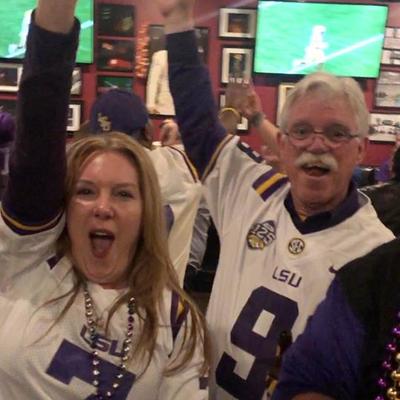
384	127
243	125
74	117
392	38
107	82
158	97
237	23
116	20
390	57
283	90
76	87
387	89
115	55
236	62
10	75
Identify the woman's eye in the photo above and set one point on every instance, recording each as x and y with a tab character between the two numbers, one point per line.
125	194
84	191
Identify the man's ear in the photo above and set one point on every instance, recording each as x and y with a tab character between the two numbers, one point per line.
362	149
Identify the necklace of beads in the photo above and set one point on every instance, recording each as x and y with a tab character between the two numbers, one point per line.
125	353
389	383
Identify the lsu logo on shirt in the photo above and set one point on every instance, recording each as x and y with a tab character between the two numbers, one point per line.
261	234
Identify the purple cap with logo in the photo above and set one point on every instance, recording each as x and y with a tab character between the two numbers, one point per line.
118	110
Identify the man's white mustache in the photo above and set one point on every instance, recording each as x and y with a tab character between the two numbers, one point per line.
325	160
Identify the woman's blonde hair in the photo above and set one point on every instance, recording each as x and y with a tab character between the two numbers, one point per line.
150	271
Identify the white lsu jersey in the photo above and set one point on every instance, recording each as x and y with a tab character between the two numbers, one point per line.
270	276
43	361
181	191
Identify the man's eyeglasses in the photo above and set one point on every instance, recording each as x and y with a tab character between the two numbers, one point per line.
333	134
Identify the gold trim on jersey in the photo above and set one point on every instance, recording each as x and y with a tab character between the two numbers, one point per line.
191	167
269	182
30	228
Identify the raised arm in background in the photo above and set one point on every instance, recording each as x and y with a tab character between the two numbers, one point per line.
37	167
199	125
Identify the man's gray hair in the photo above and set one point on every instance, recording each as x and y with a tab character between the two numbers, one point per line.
329	86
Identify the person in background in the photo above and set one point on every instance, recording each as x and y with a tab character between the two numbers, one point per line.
350	348
283	237
384	172
7	134
90	306
385	197
125	112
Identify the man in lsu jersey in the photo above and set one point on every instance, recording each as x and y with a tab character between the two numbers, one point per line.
283	237
90	306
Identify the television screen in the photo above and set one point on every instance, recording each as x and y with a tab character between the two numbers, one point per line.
300	38
14	28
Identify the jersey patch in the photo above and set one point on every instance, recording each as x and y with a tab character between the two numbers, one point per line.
296	246
269	183
261	234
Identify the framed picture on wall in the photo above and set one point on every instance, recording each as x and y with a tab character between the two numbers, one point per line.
236	62
243	125
283	91
116	20
115	55
238	23
74	117
106	82
387	90
384	127
392	38
10	74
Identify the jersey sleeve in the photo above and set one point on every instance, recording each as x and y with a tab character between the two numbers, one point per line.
196	111
181	191
326	357
34	195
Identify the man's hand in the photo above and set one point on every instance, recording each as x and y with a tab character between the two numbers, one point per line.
241	95
178	14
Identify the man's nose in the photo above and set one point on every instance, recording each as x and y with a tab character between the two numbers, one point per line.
318	143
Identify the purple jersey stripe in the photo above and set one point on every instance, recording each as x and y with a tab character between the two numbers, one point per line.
53	261
263	178
179	312
273	188
249	151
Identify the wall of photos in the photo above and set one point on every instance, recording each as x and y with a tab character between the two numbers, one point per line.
129	39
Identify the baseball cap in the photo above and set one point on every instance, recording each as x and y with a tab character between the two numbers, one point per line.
7	128
118	110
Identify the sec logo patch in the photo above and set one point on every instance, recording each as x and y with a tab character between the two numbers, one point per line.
296	246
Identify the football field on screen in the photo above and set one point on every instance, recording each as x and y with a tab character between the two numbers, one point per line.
13	11
286	33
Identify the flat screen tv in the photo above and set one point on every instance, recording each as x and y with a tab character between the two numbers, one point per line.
300	38
15	17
